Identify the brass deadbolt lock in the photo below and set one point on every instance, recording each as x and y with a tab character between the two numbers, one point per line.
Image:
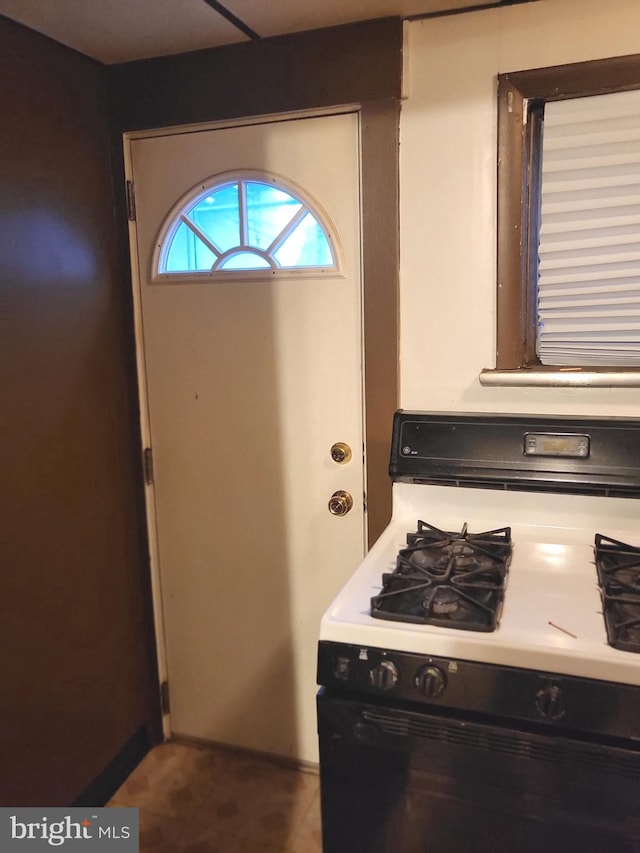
340	452
340	503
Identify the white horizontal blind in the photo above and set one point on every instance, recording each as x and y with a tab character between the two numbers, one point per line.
589	250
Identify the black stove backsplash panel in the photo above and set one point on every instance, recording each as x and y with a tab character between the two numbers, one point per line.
560	454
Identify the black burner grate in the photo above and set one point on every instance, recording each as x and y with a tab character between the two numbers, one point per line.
454	580
618	567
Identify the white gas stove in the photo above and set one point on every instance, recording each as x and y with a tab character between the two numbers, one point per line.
552	610
480	671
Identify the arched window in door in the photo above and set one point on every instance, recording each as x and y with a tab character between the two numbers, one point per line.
245	223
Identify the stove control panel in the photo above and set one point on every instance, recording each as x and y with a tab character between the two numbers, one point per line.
380	672
541	698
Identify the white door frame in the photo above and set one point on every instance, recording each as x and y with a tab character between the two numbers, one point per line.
141	375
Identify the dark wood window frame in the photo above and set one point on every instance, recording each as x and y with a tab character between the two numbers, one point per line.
521	99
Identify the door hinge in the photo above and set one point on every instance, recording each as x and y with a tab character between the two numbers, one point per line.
131	202
164	697
147	464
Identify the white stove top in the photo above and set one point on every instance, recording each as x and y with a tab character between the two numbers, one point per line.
552	579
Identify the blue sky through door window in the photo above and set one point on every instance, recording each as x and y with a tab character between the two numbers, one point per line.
245	224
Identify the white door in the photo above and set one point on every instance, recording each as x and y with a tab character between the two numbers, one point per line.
249	383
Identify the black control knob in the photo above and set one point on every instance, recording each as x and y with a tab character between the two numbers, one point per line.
385	675
550	703
431	681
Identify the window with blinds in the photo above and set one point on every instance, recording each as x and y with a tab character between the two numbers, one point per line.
588	285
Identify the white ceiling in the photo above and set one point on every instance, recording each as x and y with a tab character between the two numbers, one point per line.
121	30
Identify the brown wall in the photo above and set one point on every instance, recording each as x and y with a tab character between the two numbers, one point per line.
336	65
352	64
75	666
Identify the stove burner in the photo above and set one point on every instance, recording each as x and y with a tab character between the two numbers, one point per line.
443	600
437	556
448	579
618	567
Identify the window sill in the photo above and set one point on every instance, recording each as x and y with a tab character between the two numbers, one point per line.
573	377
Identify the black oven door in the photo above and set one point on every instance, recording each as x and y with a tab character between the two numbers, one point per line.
404	781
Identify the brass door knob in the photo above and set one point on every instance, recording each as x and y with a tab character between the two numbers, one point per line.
340	503
340	452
